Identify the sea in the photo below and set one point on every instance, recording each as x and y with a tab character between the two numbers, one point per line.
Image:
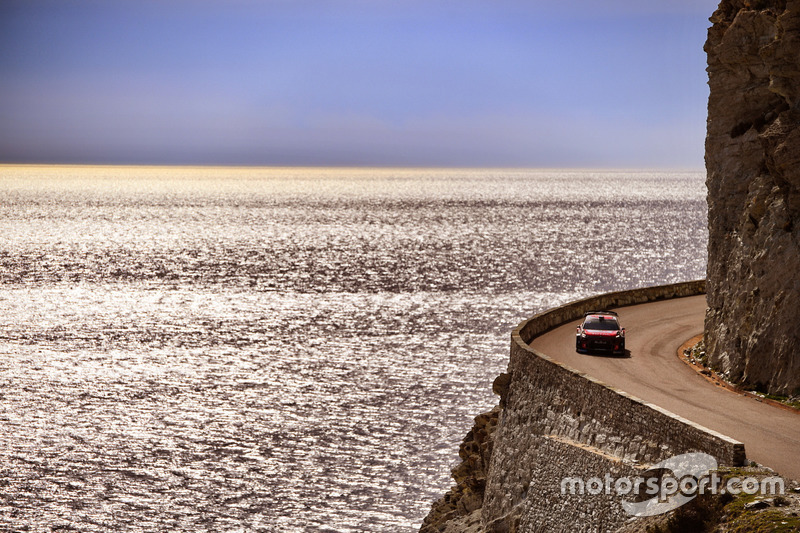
288	349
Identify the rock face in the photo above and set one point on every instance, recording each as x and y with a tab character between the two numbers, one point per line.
753	168
460	509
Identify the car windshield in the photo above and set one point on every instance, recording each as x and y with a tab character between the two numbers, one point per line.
607	324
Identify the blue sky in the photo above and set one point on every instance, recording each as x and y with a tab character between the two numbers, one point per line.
567	83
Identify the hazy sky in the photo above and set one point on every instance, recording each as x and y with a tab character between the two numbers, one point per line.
564	83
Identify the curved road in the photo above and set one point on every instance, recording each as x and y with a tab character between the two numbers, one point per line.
654	373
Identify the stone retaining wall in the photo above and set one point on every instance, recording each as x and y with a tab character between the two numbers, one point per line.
555	422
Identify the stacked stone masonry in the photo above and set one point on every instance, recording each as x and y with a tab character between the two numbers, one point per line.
554	422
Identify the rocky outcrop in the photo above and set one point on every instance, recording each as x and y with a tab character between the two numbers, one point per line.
460	509
753	165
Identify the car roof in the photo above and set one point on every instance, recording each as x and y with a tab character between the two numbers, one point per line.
611	317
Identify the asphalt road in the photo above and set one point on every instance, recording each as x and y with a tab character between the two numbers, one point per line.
653	372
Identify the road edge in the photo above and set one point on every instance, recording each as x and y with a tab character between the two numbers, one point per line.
714	378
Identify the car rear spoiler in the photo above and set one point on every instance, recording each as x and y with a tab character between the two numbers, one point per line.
600	313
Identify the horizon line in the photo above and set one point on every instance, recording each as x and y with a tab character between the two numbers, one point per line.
620	168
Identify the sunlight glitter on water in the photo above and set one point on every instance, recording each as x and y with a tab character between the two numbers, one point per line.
287	349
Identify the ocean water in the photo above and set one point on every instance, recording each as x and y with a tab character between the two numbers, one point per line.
280	350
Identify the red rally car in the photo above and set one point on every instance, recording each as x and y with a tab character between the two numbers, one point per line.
600	331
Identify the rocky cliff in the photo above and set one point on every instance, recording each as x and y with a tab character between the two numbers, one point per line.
753	165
